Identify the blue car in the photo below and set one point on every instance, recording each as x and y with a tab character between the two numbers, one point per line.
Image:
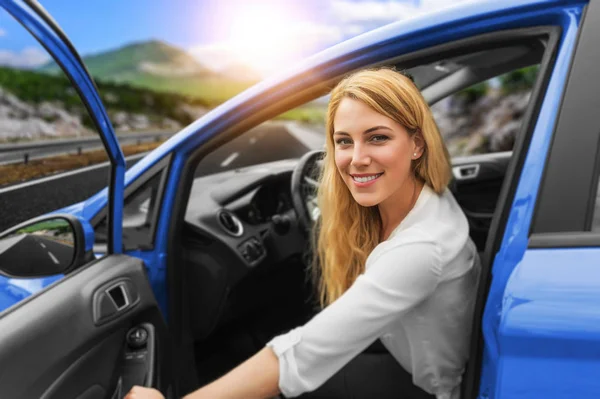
178	271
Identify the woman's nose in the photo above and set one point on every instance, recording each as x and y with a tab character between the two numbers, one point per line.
360	156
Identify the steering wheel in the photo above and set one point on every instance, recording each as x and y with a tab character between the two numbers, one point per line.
305	182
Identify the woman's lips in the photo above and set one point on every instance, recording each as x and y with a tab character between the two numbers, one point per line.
366	179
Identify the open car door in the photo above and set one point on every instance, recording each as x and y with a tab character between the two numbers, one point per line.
98	330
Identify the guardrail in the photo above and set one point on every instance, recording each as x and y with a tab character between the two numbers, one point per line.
21	152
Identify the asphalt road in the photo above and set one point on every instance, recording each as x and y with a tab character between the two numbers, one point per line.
43	254
268	142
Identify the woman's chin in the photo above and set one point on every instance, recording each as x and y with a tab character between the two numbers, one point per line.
366	200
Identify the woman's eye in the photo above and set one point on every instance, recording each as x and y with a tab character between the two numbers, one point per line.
379	138
343	141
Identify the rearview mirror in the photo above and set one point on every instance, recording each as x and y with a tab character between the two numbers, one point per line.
45	246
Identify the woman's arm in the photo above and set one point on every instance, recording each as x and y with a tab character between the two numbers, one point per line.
394	283
256	378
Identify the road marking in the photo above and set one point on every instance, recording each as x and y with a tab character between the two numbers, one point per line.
65	174
230	159
42	244
53	258
312	139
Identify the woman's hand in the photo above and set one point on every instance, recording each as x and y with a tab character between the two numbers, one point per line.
143	393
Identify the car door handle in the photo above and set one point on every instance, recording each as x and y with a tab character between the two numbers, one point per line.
464	172
113	299
119	296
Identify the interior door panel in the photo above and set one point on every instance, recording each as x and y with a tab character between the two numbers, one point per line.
476	187
73	340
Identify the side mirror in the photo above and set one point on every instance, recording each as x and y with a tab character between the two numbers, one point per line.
52	244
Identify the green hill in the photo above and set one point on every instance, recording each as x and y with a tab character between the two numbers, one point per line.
162	67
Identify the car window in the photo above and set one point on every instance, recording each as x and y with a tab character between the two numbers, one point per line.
483	118
486	117
45	130
139	216
287	136
51	155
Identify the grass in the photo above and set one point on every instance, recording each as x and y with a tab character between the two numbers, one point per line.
15	173
53	224
211	90
305	114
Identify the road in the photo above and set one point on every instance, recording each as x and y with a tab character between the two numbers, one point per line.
44	256
267	142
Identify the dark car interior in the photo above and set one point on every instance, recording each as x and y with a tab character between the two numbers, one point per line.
245	254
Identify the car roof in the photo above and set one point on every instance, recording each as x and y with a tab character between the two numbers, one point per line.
462	12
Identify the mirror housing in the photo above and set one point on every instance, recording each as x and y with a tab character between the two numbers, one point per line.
44	246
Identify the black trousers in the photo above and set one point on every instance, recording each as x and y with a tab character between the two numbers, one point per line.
374	373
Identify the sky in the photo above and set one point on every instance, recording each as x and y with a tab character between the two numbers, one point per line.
263	34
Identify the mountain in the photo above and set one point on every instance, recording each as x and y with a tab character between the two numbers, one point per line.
160	66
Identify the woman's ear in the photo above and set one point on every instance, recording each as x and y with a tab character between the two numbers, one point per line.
419	144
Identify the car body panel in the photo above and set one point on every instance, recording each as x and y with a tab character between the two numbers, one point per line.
516	235
550	326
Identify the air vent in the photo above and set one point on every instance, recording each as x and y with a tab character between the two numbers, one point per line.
230	223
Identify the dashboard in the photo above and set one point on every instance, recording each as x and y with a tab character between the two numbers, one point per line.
272	198
249	211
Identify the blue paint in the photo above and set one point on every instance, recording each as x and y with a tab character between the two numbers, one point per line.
550	326
88	234
157	275
514	243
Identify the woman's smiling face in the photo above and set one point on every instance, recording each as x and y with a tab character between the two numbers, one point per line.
373	153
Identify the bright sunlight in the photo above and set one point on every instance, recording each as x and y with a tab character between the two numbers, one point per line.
266	37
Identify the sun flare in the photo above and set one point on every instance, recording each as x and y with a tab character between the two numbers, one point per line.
265	38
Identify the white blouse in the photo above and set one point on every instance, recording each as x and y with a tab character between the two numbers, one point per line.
417	294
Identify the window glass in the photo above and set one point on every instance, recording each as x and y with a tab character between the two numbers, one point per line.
48	140
45	130
483	118
139	216
287	136
487	116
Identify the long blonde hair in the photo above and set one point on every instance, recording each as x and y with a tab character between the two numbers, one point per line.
348	232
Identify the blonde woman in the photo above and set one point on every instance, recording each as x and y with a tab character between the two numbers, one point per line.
397	270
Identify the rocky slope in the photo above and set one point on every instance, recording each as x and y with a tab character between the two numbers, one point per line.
22	121
490	124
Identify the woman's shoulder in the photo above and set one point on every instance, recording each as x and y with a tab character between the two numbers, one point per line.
438	221
408	239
